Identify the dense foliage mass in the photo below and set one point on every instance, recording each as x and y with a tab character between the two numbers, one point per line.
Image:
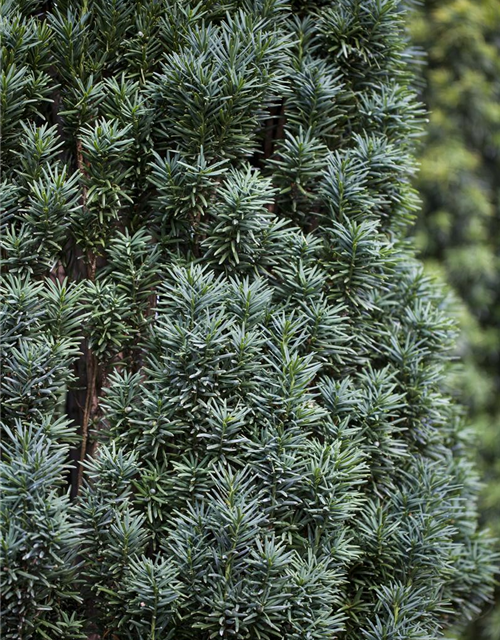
459	231
215	196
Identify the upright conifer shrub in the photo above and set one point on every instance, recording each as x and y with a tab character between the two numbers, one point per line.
215	197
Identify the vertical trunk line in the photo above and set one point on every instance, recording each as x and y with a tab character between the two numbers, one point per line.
90	402
91	397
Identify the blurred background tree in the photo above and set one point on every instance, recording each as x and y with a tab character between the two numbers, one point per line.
459	229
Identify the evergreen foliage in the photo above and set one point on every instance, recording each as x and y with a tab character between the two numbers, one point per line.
205	208
459	230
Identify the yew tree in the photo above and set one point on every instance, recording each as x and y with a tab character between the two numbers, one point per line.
226	410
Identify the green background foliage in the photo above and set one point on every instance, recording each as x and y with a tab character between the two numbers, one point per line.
459	229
